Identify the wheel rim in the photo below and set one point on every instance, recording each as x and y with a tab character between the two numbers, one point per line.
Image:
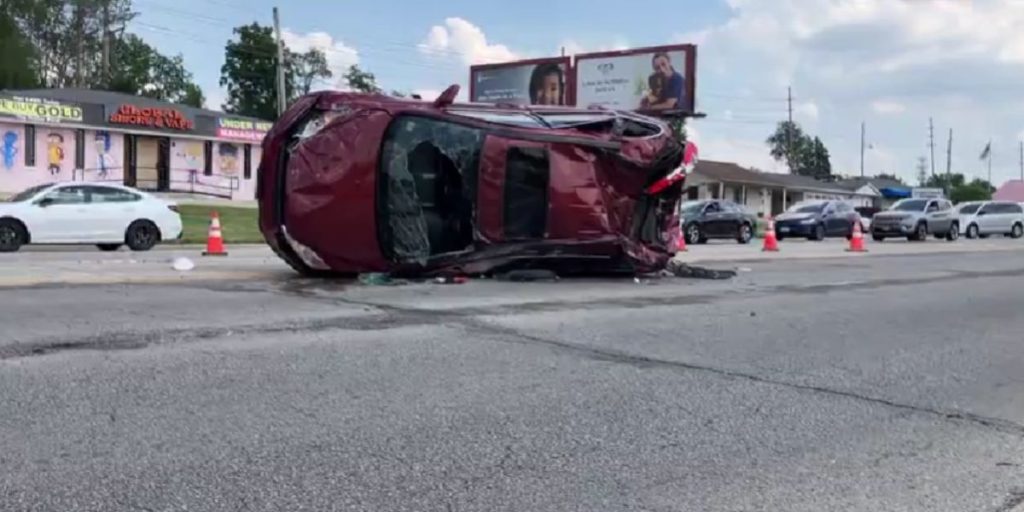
745	232
693	233
954	232
1017	230
8	236
973	231
819	232
922	233
143	236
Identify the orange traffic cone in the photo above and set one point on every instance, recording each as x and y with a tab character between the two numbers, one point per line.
681	243
857	239
214	240
770	242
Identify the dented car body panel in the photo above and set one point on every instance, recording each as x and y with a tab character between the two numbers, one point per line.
354	183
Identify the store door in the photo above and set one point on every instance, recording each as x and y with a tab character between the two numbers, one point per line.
152	156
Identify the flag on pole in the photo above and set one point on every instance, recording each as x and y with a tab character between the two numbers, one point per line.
985	152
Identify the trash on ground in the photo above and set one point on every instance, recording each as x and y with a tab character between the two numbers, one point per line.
182	264
528	275
679	269
375	279
451	280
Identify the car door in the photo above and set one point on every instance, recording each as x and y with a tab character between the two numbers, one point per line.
732	215
113	209
1003	218
834	218
941	217
713	219
63	216
985	218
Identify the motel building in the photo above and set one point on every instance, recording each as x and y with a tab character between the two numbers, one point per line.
49	135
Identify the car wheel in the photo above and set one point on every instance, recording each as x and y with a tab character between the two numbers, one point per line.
972	231
954	233
108	247
920	233
819	233
877	238
12	235
141	235
692	233
1017	231
983	235
745	234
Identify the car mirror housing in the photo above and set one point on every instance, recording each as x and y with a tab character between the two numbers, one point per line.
44	202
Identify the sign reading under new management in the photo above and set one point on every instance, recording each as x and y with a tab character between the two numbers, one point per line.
656	79
530	82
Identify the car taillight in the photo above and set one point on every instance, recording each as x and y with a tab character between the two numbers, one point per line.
173	208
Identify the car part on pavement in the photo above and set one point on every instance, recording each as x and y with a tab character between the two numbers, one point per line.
352	183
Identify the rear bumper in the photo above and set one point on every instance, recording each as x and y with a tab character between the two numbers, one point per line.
794	229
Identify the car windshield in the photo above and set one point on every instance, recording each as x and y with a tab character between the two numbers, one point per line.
970	208
806	208
693	208
28	193
910	205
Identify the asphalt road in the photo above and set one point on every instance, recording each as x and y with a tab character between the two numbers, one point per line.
889	383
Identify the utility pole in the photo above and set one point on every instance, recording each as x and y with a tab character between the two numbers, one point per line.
789	129
931	143
105	67
990	161
1022	160
949	155
282	102
862	149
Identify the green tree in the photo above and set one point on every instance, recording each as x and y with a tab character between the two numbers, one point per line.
250	73
977	190
141	70
362	81
17	56
307	68
814	160
892	177
788	144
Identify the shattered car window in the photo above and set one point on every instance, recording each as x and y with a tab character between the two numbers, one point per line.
509	118
429	169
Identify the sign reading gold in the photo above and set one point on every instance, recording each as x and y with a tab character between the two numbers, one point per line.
39	110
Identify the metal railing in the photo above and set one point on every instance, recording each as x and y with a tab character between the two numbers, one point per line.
188	181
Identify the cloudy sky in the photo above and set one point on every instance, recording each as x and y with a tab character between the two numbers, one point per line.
891	64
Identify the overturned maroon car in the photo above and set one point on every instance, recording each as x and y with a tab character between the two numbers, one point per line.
353	183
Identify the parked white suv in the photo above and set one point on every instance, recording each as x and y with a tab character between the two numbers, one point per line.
984	218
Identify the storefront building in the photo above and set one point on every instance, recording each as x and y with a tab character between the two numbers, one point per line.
49	135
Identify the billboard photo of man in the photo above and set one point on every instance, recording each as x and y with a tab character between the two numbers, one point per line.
666	86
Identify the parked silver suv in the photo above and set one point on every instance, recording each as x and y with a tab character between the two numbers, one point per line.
915	219
984	218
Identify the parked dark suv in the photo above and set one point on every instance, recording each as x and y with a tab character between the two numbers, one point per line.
817	220
702	220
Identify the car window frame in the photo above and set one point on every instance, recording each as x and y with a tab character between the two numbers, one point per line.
136	197
86	194
707	208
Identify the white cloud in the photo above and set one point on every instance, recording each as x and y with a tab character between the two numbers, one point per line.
464	40
957	61
339	55
888	107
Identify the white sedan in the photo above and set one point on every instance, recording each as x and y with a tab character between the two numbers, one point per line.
87	213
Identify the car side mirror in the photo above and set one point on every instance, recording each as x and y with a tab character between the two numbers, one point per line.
44	202
981	213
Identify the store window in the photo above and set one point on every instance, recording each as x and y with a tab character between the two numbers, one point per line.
247	163
208	158
30	145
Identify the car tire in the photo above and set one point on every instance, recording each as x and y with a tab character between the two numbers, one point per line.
12	235
954	233
1017	230
744	234
818	234
878	238
109	247
983	235
920	233
972	231
692	233
141	235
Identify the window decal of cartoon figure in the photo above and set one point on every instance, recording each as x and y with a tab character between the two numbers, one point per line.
104	160
10	149
54	152
228	159
191	155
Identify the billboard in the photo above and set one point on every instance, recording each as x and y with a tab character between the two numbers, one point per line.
652	80
527	82
40	110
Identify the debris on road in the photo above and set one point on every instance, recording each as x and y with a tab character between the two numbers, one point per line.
182	264
680	269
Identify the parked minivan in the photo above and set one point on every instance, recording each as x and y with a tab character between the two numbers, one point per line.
984	218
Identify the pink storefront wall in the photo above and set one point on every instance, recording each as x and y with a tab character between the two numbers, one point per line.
55	150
